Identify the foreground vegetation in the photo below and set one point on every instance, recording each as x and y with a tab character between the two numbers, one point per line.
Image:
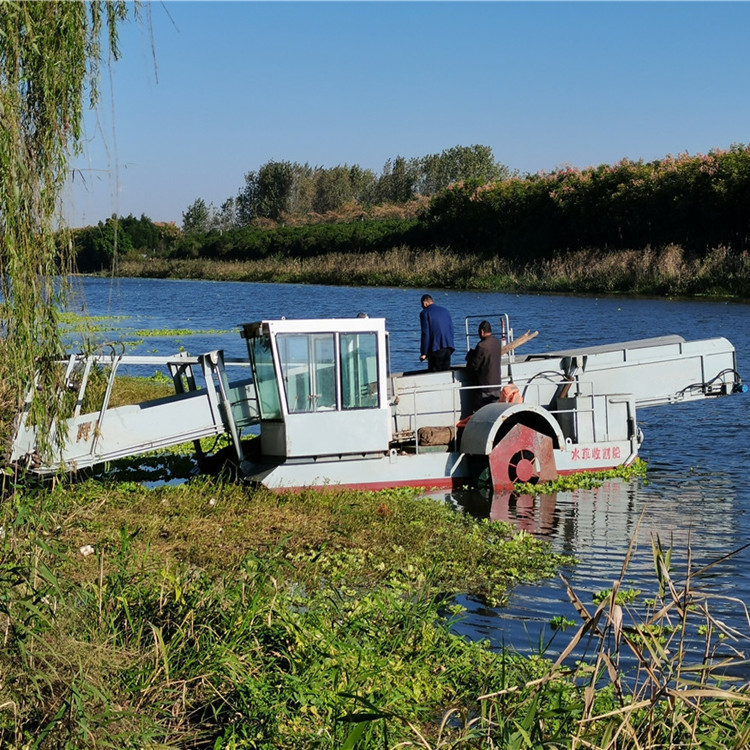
212	615
670	271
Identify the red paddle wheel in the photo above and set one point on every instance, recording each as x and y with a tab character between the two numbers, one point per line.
522	455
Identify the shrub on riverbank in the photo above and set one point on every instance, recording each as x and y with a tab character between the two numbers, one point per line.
693	202
666	271
698	202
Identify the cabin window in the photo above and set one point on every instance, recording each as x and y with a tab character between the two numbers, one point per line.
265	377
308	370
359	371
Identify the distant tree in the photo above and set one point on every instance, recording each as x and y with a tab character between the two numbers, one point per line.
397	183
97	248
364	184
289	188
226	217
144	235
333	188
245	200
303	189
459	164
169	234
267	192
197	217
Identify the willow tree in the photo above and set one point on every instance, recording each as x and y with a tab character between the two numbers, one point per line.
50	57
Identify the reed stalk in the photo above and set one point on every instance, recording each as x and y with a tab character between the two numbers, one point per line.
642	686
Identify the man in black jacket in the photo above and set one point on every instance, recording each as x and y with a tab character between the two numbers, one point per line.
484	361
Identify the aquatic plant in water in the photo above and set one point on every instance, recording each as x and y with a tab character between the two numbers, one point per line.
582	480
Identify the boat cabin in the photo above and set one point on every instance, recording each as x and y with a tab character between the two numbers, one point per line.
336	369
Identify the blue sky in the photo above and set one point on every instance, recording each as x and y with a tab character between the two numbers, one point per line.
207	91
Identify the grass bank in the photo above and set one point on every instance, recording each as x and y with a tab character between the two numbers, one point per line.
209	615
667	271
212	615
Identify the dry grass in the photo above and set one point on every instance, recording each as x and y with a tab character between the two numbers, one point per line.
665	271
400	266
352	211
662	692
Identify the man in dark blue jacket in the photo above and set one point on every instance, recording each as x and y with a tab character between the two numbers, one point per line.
437	335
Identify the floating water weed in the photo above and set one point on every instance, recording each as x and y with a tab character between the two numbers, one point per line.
559	622
583	480
623	596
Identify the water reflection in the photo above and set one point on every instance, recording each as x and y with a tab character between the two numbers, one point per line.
694	509
535	515
611	530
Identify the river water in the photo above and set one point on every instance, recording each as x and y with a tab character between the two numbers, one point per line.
696	494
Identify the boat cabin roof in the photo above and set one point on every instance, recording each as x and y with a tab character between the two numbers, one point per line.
317	325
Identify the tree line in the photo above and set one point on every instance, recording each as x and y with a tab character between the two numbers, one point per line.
282	191
697	202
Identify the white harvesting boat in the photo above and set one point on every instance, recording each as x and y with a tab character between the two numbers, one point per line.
326	410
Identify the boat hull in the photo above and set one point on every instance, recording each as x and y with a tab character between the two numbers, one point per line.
429	470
